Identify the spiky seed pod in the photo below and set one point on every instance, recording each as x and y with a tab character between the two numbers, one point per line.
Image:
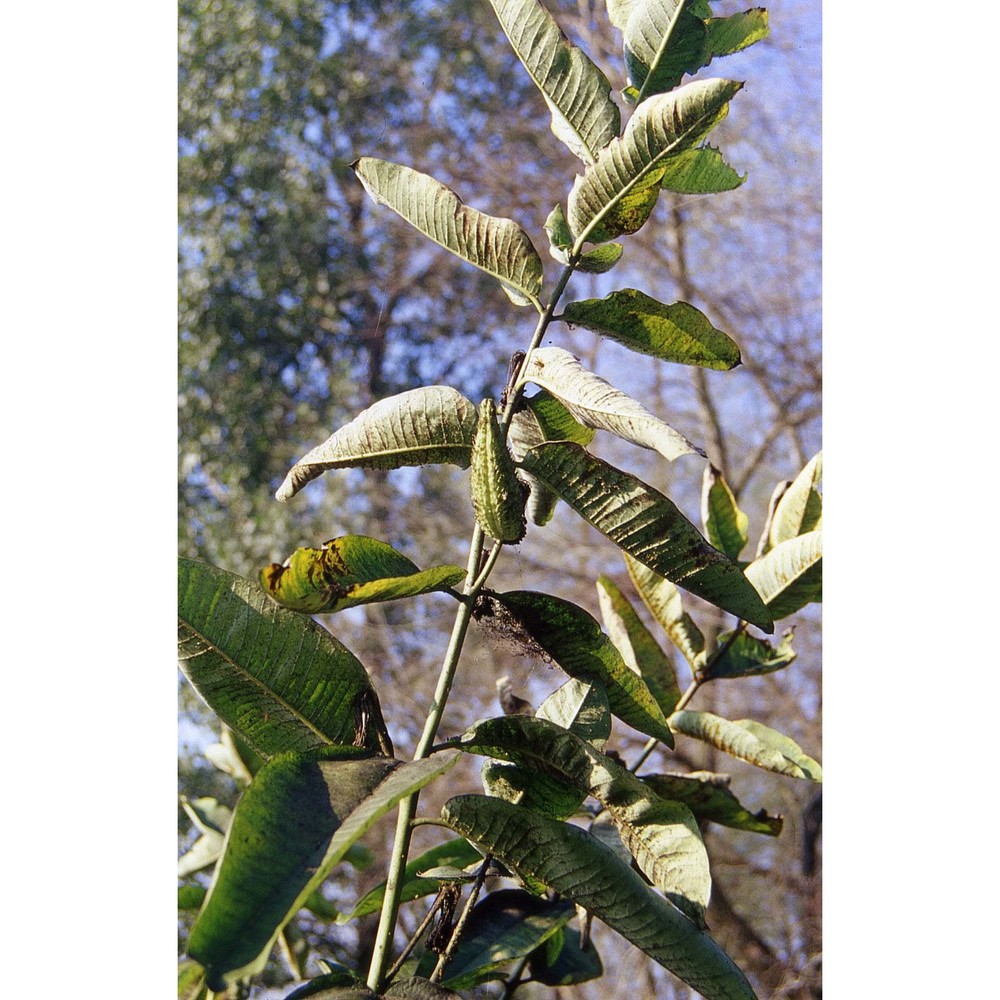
498	496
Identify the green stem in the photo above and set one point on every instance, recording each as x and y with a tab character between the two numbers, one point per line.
652	742
475	581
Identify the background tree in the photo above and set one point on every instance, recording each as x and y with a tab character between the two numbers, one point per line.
294	314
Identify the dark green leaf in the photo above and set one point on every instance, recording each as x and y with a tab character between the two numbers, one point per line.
678	332
190	897
276	678
639	649
747	656
349	571
644	523
574	864
293	824
662	836
700	171
707	795
664	40
726	526
571	964
434	424
750	741
333	986
506	925
417	988
559	631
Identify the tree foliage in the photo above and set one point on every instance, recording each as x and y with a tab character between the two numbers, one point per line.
289	266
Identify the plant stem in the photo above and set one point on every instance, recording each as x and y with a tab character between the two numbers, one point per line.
514	979
652	742
407	808
475	580
456	934
414	938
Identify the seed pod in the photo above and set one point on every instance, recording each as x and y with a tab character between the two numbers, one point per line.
498	496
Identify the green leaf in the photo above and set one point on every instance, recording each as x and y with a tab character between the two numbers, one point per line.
707	795
572	863
748	741
747	656
639	649
293	824
457	853
619	11
594	402
278	679
645	524
790	575
664	602
700	171
333	986
190	897
433	424
727	35
678	332
663	41
499	247
558	631
726	526
800	508
578	94
569	965
543	418
582	709
498	496
349	571
191	981
662	836
507	925
616	194
601	259
417	988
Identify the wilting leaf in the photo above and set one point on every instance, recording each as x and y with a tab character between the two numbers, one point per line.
596	403
499	247
639	649
433	424
664	602
726	526
700	171
662	836
349	571
790	575
800	508
276	678
568	965
292	825
747	656
574	864
678	332
507	925
750	741
498	496
457	853
578	94
707	795
567	635
647	525
616	194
